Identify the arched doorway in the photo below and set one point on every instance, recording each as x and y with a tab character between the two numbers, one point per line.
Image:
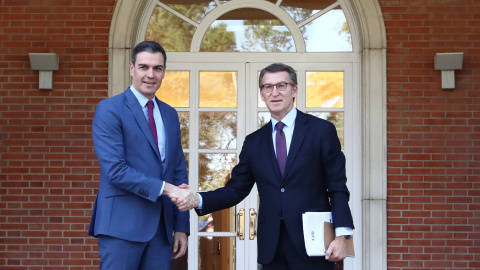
238	112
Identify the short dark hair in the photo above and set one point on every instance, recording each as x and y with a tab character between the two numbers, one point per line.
151	47
278	67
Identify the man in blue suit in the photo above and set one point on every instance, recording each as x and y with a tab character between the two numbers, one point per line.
137	142
302	170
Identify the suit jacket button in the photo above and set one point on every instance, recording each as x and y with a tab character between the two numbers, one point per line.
282	190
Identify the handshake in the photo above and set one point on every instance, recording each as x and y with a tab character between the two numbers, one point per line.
183	196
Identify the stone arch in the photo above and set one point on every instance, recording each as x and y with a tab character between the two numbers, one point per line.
371	38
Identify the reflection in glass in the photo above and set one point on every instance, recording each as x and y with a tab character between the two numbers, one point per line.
218	89
328	33
180	263
184	120
175	89
218	39
261	103
218	130
263	118
195	12
187	162
299	14
336	118
216	253
173	33
214	170
247	30
324	90
220	221
301	10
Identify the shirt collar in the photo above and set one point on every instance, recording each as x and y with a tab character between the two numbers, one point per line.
141	98
288	119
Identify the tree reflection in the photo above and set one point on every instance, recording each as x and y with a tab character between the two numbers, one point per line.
169	30
218	39
241	30
345	32
214	170
266	36
217	130
336	118
325	89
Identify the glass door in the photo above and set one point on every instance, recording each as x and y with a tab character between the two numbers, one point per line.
211	100
218	105
215	51
325	90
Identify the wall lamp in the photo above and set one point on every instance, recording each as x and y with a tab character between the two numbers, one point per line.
45	63
448	63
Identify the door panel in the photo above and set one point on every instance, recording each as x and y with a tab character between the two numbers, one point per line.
212	124
325	91
223	107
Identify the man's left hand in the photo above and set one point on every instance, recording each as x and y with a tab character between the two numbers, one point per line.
337	250
180	242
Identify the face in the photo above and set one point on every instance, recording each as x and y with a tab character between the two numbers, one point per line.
148	73
278	103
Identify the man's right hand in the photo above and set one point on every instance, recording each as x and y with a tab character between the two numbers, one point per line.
182	196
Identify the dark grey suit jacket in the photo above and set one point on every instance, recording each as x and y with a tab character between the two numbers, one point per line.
314	180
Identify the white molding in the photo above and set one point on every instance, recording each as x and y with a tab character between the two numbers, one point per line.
122	36
372	41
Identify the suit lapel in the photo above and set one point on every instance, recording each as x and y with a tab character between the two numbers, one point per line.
299	132
169	130
136	109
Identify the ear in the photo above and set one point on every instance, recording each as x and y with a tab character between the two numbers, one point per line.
261	95
132	67
294	91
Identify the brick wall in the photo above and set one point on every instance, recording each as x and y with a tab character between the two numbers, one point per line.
433	135
48	169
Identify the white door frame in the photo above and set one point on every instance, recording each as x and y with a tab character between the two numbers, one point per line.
194	110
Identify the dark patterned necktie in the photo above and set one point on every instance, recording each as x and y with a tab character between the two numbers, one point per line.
281	145
153	128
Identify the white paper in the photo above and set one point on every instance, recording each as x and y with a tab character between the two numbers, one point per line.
313	232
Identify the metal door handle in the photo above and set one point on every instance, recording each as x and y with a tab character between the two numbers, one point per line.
218	247
241	224
253	224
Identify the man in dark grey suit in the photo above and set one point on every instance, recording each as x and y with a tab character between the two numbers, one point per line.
301	170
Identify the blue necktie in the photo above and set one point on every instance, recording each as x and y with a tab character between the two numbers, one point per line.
281	145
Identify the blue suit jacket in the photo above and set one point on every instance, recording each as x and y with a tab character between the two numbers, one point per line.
314	180
127	204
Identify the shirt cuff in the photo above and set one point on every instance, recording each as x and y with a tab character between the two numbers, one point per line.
343	231
200	199
161	190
